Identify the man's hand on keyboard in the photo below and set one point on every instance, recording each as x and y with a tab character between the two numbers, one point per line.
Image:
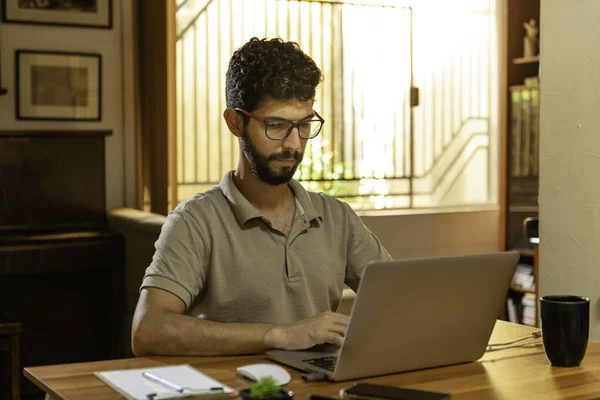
327	327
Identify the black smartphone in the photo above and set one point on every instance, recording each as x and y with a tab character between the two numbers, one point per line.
380	392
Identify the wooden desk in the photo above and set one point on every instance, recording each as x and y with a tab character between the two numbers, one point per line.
519	373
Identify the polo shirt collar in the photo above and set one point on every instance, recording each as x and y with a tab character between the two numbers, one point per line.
302	197
244	211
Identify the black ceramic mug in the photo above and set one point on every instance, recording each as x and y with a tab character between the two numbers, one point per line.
565	328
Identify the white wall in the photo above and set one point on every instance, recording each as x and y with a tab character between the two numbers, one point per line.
55	38
570	152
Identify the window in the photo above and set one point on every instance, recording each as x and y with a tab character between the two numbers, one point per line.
375	150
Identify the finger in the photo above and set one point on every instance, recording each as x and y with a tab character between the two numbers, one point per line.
341	321
334	316
339	329
333	338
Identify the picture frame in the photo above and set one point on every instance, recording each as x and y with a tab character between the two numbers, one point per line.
3	90
69	13
58	86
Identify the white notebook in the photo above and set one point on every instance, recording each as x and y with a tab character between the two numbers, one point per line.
133	385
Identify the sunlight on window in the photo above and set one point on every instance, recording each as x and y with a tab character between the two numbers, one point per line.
375	151
379	97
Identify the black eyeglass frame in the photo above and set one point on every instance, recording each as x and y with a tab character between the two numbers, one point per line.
293	124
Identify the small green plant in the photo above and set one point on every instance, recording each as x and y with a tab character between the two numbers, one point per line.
265	388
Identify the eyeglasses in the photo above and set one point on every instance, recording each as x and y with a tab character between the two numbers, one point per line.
280	129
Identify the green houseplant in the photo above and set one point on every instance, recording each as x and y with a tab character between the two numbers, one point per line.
265	389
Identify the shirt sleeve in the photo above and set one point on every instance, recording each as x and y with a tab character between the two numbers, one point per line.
363	247
179	262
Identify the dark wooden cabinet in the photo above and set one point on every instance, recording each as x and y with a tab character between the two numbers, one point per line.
60	266
52	181
63	292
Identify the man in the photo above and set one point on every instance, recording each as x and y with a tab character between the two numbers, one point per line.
257	262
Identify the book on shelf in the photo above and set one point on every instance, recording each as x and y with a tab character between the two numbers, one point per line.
529	312
535	133
515	132
532	81
522	311
525	132
523	278
512	311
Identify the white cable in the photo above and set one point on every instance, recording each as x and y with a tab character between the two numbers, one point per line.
534	335
495	348
505	345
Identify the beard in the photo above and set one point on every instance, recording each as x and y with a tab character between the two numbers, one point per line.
259	163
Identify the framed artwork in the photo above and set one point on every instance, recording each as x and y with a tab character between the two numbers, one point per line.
79	13
58	86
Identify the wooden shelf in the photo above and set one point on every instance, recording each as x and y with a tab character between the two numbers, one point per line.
525	252
518	88
54	133
514	289
526	60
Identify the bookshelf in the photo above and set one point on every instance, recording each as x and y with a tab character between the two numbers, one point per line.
519	158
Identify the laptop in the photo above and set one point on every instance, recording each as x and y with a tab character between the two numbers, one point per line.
415	314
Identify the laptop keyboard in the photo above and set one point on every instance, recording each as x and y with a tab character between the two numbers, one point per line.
327	363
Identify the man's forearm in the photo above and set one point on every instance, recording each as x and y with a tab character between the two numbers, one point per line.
165	333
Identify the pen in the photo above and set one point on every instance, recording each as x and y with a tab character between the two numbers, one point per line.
164	382
216	389
177	388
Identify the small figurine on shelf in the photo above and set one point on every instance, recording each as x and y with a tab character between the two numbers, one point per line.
530	41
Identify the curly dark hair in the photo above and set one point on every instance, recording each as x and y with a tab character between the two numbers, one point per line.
262	69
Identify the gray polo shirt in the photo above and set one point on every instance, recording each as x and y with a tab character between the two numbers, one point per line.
219	255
